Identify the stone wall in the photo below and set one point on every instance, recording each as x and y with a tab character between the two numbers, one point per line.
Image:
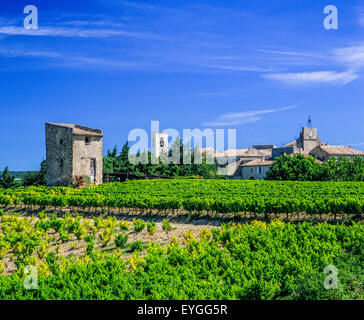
59	155
277	152
69	154
319	153
83	153
253	171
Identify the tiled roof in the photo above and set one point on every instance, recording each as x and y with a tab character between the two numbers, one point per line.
80	130
290	144
341	150
257	162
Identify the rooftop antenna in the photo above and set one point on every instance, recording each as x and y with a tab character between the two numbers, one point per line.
309	122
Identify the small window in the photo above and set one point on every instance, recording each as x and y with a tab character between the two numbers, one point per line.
61	163
61	141
162	143
87	140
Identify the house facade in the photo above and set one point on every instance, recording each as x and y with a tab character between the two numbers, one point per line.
327	152
73	152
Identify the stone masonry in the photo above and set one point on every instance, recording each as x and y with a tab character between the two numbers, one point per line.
73	151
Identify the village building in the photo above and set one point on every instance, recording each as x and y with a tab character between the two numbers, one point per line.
255	169
255	162
73	153
327	152
306	142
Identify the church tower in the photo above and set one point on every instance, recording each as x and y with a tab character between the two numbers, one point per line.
308	137
159	143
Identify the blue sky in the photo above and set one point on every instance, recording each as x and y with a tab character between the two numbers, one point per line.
258	66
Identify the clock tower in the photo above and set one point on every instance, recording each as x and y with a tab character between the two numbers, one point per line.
308	139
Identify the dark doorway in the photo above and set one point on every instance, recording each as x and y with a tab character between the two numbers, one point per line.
93	170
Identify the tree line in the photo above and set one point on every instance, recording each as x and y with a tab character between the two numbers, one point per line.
32	178
116	162
296	167
307	168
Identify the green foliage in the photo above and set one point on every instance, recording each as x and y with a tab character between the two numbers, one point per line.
124	225
6	179
90	243
121	163
121	240
258	198
250	261
302	168
36	178
139	225
151	227
167	227
87	180
137	246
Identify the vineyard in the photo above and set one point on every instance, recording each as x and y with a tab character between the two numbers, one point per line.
250	261
255	198
84	243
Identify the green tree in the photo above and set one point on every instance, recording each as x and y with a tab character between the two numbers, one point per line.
343	169
37	178
7	180
294	167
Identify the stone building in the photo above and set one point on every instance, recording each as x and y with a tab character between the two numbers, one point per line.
327	152
73	152
255	169
159	143
307	141
256	165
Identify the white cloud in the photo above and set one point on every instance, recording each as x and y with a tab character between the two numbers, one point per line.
356	144
12	53
317	77
248	114
351	56
293	53
75	32
230	119
240	68
74	61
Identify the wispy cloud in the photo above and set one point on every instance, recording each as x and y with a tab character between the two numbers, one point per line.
240	68
293	53
13	53
76	33
356	144
74	61
316	77
135	4
353	56
231	119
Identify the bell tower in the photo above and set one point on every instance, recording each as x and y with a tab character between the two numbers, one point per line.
159	143
308	137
